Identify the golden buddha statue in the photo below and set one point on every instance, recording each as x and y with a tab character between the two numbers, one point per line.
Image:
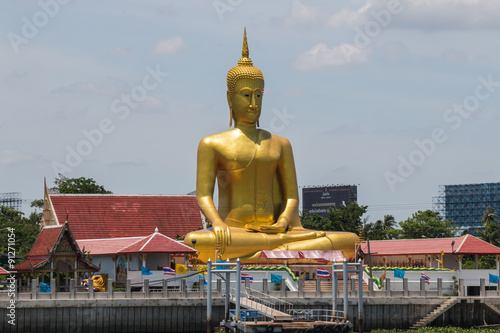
257	184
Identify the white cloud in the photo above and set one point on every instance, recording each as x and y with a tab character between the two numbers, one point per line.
321	57
422	14
8	156
169	46
348	18
301	14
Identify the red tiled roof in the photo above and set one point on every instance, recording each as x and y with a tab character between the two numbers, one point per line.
26	267
157	243
463	245
474	245
45	240
106	245
111	216
3	271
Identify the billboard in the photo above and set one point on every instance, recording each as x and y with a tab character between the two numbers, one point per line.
320	199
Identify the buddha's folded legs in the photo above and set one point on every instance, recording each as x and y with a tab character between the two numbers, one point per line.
243	243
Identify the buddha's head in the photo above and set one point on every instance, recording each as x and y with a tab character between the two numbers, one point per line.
245	86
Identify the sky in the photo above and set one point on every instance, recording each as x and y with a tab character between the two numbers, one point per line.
395	97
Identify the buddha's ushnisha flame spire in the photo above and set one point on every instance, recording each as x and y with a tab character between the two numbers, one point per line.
244	69
244	50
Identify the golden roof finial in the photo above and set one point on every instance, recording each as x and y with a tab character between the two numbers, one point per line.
244	50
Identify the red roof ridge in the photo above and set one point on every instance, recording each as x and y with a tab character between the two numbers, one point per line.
54	226
149	240
129	245
462	243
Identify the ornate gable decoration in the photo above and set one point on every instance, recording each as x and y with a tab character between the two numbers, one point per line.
49	216
64	247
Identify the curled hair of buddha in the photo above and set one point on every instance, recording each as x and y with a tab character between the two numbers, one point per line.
245	68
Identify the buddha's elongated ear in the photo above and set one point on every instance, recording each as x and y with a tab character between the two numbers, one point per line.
230	109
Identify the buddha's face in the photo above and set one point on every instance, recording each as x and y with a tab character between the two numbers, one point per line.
246	100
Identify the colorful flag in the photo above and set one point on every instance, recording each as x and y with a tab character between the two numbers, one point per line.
425	277
494	278
246	277
399	273
168	271
202	269
180	269
200	276
275	278
221	267
322	273
146	271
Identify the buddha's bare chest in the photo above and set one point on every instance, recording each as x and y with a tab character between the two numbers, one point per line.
244	153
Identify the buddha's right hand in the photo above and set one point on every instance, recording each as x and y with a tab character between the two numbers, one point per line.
222	234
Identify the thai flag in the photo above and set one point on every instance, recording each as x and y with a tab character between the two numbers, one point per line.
322	273
168	271
246	277
425	277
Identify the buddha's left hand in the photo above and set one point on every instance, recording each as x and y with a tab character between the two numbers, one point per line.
275	228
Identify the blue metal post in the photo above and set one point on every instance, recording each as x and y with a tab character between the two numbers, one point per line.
360	296
228	291
346	291
334	292
209	296
238	286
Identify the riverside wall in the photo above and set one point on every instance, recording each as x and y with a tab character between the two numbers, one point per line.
184	310
189	314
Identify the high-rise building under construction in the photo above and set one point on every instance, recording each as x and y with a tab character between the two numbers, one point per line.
465	205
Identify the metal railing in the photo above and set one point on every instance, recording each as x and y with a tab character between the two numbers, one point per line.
319	315
263	302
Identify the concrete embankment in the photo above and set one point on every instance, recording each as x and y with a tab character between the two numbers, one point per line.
189	314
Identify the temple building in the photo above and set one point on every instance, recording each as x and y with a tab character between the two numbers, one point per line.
114	235
433	258
55	255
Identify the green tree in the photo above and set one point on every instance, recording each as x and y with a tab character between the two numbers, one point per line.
80	185
490	231
381	230
426	224
313	221
346	218
24	229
